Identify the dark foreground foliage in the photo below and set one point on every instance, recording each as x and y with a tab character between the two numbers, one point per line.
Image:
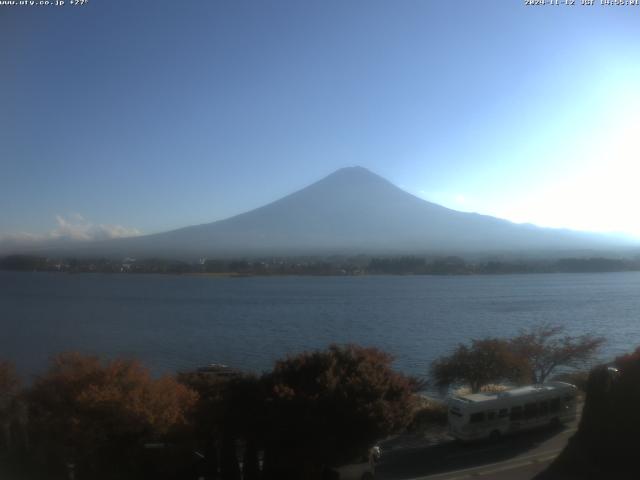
113	420
328	407
98	416
606	443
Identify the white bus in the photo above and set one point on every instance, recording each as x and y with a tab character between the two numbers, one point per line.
491	415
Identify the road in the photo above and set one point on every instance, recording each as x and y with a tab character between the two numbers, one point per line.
517	457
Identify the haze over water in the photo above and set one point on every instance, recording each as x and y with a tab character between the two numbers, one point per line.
181	322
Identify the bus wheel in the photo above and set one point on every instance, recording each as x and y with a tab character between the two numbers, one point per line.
495	435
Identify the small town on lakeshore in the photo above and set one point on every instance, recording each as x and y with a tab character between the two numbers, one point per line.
335	265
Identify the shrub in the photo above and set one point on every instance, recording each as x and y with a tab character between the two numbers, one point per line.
427	414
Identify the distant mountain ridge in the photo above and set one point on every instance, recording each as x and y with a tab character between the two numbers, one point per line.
350	211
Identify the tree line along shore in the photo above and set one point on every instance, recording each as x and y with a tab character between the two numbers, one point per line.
331	265
87	417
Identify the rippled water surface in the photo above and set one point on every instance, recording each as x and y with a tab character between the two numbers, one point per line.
178	322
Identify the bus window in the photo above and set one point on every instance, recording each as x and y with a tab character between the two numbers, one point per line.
503	413
491	415
476	417
544	407
530	410
554	405
516	413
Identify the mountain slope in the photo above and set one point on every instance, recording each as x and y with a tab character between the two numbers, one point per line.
351	211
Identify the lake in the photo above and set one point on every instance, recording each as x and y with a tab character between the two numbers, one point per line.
181	322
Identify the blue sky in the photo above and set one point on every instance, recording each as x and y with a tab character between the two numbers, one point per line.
123	117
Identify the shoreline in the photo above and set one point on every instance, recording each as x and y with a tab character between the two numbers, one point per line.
300	274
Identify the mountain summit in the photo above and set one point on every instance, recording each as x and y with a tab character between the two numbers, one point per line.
350	211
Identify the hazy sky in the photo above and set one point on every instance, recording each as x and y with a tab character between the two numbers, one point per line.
120	117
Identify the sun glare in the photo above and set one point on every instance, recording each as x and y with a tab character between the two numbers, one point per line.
600	193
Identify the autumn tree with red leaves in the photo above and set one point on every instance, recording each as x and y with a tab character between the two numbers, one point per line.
326	407
486	361
546	347
530	357
97	415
